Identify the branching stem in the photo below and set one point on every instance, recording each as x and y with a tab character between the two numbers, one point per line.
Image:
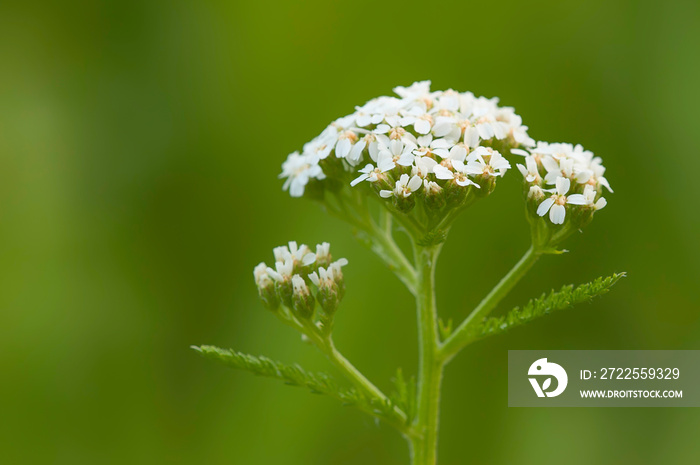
459	338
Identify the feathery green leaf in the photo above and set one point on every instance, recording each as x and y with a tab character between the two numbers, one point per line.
294	375
566	297
432	238
404	395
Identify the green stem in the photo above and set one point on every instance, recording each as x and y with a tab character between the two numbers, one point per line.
460	337
362	384
379	238
383	244
424	446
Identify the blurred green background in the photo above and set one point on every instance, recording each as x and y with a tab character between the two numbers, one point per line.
140	144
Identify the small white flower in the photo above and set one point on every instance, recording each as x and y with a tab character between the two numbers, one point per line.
373	140
555	204
395	131
296	254
458	173
372	112
301	254
457	153
299	169
429	146
399	152
314	277
597	177
346	142
441	147
514	126
495	166
372	174
416	91
262	278
335	269
588	199
447	102
530	171
447	126
299	286
431	187
329	276
405	186
323	252
421	121
423	166
282	272
322	145
281	253
536	193
564	167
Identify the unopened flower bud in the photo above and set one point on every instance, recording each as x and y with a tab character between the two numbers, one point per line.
266	287
402	193
331	289
434	195
583	206
338	278
487	184
300	256
328	295
281	253
303	303
282	276
384	181
323	254
455	193
535	196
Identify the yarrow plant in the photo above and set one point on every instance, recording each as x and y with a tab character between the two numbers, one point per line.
423	157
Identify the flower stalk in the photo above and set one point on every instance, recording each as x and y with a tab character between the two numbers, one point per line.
459	338
424	447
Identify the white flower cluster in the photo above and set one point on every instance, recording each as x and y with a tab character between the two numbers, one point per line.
576	174
296	267
421	138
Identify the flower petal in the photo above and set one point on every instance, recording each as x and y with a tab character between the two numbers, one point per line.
545	206
576	199
415	183
563	185
422	126
557	214
442	172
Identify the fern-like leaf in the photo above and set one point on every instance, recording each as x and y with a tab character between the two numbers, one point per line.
294	375
404	395
432	238
566	297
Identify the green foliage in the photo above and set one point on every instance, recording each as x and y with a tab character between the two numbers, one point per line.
434	237
404	395
566	297
317	383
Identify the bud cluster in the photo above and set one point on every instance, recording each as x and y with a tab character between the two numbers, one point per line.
435	145
300	279
563	181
